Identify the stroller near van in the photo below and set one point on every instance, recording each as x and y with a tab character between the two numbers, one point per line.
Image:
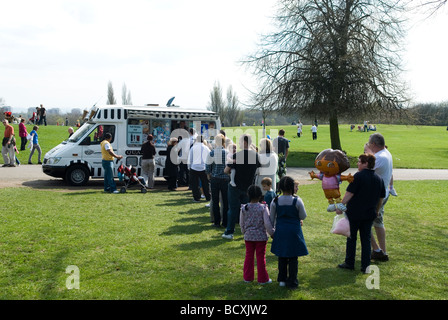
130	178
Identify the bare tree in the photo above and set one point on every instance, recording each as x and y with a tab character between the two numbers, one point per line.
125	95
216	103
332	58
110	94
233	114
429	6
229	110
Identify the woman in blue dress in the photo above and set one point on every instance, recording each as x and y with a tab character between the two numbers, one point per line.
287	213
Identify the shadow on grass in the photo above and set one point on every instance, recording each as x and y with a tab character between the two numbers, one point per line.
208	244
185	200
97	184
196	226
332	277
61	185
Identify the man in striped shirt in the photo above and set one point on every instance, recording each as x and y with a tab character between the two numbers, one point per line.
219	181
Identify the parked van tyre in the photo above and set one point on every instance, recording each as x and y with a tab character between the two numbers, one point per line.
77	175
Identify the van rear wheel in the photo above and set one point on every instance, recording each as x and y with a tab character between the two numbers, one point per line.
77	175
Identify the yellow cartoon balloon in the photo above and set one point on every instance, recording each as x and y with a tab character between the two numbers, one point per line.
331	163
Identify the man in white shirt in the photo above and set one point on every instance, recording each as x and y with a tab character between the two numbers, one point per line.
383	167
314	131
196	164
184	145
299	129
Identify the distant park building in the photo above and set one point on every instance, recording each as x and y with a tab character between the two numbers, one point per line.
56	111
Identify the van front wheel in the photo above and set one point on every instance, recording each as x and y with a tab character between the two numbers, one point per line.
77	175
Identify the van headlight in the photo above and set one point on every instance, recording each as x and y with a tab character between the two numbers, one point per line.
54	160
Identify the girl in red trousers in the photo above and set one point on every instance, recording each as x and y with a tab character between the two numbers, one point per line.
255	225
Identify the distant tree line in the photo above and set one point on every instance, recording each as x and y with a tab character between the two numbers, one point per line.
422	114
425	114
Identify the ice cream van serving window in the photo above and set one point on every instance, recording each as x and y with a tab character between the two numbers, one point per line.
137	132
161	131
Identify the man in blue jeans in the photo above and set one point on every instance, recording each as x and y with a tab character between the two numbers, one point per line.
108	156
219	181
245	163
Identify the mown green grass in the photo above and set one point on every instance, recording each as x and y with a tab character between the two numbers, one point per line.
160	245
418	147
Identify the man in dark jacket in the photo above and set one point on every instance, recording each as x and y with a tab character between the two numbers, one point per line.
245	163
363	198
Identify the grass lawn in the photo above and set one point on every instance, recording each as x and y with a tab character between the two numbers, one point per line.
160	245
418	147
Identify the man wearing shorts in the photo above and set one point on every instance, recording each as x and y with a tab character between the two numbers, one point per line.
383	167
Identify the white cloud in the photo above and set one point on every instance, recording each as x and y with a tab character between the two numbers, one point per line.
63	53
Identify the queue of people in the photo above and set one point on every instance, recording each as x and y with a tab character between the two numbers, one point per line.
245	189
242	183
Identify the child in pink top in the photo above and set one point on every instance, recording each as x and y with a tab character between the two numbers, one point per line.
255	225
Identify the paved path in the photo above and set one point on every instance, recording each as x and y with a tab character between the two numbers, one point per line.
32	176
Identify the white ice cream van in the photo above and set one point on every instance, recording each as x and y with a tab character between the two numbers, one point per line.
79	157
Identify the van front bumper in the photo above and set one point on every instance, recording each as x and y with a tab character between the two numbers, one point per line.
54	171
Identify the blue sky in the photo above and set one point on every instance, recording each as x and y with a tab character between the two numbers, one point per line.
63	53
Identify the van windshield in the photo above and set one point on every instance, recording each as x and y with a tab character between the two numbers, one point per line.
78	134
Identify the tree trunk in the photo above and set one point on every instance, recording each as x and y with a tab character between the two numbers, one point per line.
334	131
